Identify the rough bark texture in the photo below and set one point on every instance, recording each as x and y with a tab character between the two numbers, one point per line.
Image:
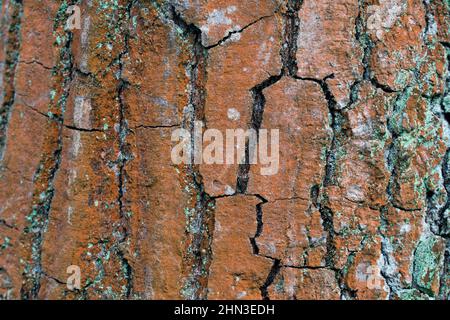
359	89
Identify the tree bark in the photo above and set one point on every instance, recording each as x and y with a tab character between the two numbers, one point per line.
359	91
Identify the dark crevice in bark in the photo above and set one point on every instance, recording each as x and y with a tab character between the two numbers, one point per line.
329	179
336	121
259	224
436	218
429	19
354	91
35	62
287	199
364	43
58	119
327	216
307	267
291	31
259	102
86	74
364	40
330	168
70	127
125	155
276	267
12	52
6	224
179	21
314	193
439	220
383	87
232	33
445	114
39	219
53	278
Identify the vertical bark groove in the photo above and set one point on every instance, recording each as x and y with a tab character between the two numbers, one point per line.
12	52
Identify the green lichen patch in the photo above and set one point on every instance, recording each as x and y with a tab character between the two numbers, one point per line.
427	264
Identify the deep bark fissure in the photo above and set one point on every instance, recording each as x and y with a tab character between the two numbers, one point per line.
124	157
429	18
436	215
330	167
442	225
259	102
11	61
259	224
274	271
291	32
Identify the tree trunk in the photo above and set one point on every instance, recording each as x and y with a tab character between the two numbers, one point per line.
95	93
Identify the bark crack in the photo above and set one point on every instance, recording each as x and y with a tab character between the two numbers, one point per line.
274	271
259	224
124	157
6	224
12	53
259	102
231	33
35	62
